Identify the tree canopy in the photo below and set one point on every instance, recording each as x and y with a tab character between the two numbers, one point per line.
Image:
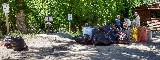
97	11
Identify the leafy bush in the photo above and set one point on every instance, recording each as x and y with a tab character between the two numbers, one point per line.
97	11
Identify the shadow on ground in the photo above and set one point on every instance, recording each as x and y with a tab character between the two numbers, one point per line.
62	35
43	52
102	53
74	51
123	53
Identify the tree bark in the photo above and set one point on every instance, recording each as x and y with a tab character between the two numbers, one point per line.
7	24
20	17
21	23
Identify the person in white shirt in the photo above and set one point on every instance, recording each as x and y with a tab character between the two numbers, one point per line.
137	20
128	22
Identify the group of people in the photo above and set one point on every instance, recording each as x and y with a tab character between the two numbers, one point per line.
127	23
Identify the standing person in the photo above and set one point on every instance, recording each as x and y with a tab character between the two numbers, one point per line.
118	22
135	30
137	20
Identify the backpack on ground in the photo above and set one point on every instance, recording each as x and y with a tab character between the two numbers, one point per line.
17	43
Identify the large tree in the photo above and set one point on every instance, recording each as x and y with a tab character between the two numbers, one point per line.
21	22
97	11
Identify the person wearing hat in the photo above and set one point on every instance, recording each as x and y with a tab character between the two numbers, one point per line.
127	23
136	24
137	20
118	22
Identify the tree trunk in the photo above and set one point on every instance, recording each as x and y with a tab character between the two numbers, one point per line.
7	24
20	17
21	23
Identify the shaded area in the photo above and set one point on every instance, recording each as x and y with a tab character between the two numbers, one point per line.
156	34
63	49
62	35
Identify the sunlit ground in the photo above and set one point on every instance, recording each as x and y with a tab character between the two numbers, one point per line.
57	47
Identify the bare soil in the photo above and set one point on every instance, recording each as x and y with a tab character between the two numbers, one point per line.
62	47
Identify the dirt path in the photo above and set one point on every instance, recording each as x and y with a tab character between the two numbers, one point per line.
57	47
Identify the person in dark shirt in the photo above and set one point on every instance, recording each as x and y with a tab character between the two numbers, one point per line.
118	22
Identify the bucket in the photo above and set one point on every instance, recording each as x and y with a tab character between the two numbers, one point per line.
149	37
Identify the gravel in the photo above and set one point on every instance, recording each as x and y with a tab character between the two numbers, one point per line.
58	47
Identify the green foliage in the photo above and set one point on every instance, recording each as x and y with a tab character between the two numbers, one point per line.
16	33
97	11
